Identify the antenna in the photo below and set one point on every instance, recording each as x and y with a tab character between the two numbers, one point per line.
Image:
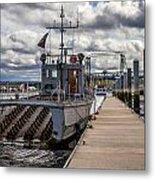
77	18
62	29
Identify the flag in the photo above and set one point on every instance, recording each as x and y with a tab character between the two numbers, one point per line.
43	41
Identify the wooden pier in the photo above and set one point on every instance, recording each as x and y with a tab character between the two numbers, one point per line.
114	141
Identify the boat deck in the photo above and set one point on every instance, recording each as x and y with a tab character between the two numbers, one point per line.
115	140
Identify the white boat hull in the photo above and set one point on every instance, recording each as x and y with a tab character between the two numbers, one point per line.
69	119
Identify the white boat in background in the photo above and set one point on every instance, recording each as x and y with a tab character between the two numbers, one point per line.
100	91
97	103
21	95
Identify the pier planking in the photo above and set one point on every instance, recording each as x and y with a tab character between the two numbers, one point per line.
116	140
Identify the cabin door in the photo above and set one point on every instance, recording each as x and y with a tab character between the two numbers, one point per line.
73	81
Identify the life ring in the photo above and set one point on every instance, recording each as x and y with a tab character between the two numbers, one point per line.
73	59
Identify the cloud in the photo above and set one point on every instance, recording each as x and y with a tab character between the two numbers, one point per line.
21	42
110	26
114	15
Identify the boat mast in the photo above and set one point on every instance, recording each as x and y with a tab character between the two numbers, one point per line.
62	33
62	29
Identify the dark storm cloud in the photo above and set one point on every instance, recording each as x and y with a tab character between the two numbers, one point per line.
24	51
92	47
93	3
18	51
6	66
41	6
30	6
26	14
102	22
137	21
34	6
32	14
110	19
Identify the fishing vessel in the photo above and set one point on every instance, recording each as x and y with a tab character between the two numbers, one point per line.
63	82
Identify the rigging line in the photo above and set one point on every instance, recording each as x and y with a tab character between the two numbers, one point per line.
76	110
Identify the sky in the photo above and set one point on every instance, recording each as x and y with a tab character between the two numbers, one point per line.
111	26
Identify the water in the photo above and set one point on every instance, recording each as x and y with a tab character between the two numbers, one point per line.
17	156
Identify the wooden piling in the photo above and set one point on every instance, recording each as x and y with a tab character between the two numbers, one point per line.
125	88
121	91
136	86
129	98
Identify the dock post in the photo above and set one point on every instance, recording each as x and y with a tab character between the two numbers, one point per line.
115	88
129	87
136	86
119	88
122	87
118	91
125	88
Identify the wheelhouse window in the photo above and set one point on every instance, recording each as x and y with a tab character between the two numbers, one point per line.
47	73
54	73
